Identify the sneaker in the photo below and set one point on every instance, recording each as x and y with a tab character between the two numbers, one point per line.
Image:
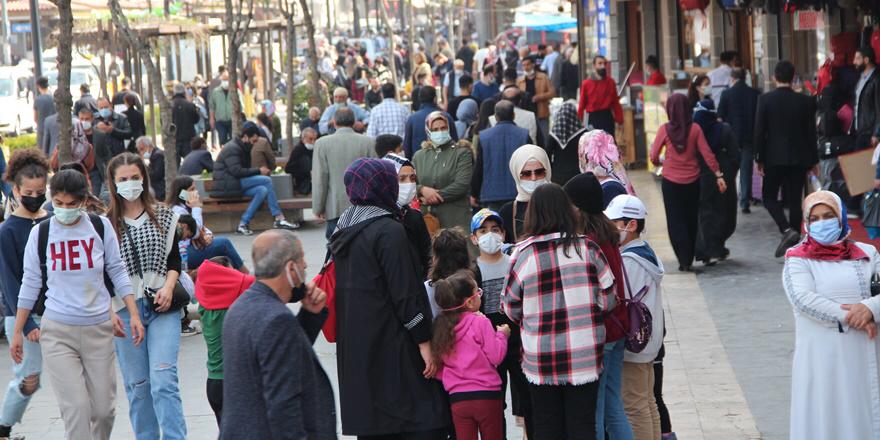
189	330
244	230
747	210
789	239
669	436
284	224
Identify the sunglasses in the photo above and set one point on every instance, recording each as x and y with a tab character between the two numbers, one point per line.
538	173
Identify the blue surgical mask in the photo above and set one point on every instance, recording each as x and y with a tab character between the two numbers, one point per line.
825	231
66	216
439	138
105	113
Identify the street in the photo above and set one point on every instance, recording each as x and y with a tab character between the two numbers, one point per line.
729	343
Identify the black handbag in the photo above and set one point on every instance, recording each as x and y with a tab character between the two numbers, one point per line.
179	298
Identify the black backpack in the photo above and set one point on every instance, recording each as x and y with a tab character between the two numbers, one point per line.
43	244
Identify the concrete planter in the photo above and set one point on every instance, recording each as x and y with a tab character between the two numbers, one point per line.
283	185
200	186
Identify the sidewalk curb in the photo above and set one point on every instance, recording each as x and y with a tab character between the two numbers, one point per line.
700	388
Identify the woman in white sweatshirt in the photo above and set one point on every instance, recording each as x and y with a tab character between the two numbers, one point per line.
76	331
148	241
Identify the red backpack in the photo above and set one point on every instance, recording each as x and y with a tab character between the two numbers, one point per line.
326	281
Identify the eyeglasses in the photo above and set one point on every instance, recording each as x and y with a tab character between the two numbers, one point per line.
538	173
477	294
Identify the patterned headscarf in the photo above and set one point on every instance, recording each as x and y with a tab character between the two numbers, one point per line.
566	123
841	250
398	161
372	182
433	116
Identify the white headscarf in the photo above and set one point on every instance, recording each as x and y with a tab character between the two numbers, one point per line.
518	161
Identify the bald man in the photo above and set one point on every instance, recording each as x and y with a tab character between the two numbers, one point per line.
327	124
274	387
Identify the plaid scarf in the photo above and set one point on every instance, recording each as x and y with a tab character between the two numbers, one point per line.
566	123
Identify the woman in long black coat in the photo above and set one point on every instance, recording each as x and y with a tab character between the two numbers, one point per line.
562	146
383	316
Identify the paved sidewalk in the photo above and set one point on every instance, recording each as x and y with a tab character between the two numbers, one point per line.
701	389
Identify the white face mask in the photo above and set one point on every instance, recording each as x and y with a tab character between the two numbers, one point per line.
623	233
490	243
130	189
309	147
529	186
224	84
87	125
147	155
406	194
66	216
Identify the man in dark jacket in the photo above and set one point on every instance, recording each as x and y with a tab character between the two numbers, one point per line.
383	322
491	184
274	386
85	100
299	165
111	131
415	124
737	108
185	116
135	120
198	160
785	149
866	116
234	177
156	169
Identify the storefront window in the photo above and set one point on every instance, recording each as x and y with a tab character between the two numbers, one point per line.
697	40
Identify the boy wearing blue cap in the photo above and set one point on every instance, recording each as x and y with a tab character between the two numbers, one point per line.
492	266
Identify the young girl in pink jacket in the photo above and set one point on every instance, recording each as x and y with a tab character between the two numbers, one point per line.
469	349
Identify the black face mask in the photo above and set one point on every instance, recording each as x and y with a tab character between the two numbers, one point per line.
33	203
298	293
602	73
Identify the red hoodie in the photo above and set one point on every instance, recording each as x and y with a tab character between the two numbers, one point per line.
217	286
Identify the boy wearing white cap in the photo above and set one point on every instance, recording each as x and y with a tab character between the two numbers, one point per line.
641	268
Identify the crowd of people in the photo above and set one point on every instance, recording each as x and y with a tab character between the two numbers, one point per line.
476	242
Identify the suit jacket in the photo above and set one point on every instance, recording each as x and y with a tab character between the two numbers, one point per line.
785	129
868	123
275	387
332	156
737	108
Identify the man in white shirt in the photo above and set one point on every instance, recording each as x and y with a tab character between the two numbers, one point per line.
549	59
720	76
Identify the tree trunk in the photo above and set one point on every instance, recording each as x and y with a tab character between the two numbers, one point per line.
392	60
63	100
355	11
411	36
146	54
318	98
233	33
291	53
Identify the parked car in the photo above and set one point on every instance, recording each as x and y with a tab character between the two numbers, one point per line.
18	110
78	75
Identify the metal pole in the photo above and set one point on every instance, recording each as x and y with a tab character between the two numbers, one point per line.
7	55
37	39
582	39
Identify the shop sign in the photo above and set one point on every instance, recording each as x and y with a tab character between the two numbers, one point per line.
600	10
20	28
808	20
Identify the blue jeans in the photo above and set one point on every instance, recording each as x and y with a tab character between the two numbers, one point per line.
224	131
745	176
221	246
149	372
610	415
259	188
15	401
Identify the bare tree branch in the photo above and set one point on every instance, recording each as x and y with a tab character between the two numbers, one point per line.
314	78
146	52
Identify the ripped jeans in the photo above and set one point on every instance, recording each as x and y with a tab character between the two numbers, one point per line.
26	380
149	372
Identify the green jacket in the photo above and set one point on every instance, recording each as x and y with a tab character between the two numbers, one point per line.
447	170
221	104
212	330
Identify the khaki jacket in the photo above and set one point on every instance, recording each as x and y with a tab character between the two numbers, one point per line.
544	91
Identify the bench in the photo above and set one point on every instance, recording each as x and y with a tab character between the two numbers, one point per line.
223	214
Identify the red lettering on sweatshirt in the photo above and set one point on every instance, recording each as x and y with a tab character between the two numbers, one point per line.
59	254
87	247
68	253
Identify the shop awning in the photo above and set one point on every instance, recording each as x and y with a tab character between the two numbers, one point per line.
544	22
